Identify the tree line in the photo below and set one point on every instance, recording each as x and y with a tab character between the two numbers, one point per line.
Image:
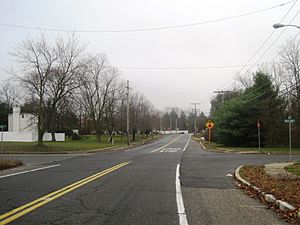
267	97
68	88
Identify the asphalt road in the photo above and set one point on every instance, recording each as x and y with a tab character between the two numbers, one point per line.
133	186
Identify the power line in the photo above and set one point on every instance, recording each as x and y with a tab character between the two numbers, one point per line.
169	67
181	68
268	49
262	45
147	29
268	38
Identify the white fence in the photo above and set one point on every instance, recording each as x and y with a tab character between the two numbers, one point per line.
174	132
29	136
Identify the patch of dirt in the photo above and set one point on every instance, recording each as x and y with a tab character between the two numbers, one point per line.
284	188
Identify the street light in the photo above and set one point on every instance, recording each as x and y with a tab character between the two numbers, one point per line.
279	25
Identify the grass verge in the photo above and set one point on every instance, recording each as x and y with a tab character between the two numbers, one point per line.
266	150
8	164
294	169
86	143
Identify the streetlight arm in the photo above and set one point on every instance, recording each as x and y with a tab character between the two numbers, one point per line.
279	25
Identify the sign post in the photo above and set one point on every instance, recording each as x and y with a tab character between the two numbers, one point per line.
209	125
2	148
289	120
258	134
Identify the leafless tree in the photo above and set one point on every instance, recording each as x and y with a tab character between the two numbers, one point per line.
96	91
10	94
246	80
50	72
290	63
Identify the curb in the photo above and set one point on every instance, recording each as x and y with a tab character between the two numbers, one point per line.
283	206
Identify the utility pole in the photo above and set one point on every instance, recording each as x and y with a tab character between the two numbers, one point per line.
195	125
170	124
176	126
128	137
160	125
222	93
289	120
122	100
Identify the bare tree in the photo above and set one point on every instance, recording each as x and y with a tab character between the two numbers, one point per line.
96	90
290	62
246	80
50	72
67	76
9	94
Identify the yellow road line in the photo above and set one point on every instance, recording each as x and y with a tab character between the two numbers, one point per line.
22	210
156	150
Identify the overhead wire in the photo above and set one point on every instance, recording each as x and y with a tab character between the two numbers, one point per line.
181	68
277	39
261	46
147	29
254	90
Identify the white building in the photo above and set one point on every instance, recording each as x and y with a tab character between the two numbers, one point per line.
21	122
22	127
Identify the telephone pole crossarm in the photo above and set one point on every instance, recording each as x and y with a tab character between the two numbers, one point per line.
222	92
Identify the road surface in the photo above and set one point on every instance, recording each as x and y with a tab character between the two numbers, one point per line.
170	181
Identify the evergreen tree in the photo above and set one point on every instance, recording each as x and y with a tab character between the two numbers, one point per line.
236	119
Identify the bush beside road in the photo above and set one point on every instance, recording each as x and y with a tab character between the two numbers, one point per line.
8	164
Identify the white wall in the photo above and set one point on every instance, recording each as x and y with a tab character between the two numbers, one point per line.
174	132
20	122
29	136
18	136
10	122
16	119
58	137
28	122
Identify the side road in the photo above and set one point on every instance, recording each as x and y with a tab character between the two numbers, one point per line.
209	193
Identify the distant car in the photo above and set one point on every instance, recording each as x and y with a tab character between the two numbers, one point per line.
181	132
202	139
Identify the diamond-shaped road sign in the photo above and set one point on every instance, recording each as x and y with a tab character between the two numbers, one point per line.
209	124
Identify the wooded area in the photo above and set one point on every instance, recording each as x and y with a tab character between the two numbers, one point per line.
269	96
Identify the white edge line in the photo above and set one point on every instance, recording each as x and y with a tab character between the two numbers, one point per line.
147	145
171	142
28	171
187	143
179	200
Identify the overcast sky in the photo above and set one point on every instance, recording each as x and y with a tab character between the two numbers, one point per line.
222	43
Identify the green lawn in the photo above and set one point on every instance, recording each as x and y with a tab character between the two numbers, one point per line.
86	143
294	169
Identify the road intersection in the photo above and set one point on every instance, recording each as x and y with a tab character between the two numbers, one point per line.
163	182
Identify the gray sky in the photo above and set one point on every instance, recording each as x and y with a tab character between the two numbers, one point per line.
223	43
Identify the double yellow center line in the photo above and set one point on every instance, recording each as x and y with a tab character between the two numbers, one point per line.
22	210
